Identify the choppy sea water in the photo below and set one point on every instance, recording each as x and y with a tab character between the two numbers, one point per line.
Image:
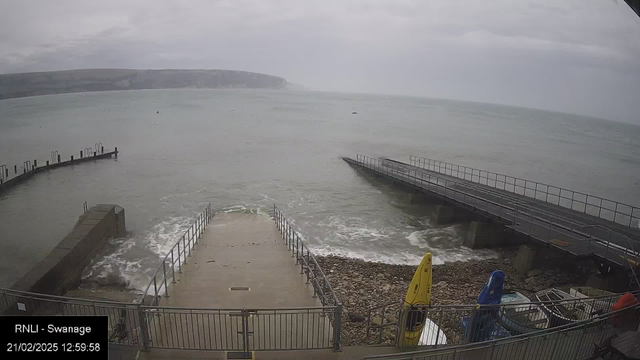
244	150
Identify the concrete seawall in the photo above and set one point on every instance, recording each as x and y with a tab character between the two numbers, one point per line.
61	269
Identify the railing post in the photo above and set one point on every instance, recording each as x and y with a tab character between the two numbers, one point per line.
155	288
173	267
337	328
184	250
179	260
164	270
144	331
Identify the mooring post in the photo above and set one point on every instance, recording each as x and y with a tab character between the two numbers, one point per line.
15	169
58	157
116	152
80	154
102	149
94	153
35	164
71	157
47	162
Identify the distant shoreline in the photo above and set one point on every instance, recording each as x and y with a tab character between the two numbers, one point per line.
96	80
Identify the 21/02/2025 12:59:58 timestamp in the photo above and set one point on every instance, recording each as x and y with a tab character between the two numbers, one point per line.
52	347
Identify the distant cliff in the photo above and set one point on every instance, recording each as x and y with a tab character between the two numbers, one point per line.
71	81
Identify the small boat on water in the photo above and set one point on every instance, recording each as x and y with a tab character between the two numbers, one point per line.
521	319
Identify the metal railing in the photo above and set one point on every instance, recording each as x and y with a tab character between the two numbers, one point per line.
461	324
522	220
572	341
241	330
30	165
314	274
174	260
611	210
124	319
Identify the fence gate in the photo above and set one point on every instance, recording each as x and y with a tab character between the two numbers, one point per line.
239	331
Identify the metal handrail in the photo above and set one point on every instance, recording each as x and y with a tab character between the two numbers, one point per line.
504	212
177	255
309	266
441	315
476	176
546	333
297	246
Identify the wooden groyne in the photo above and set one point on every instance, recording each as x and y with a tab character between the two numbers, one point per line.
12	176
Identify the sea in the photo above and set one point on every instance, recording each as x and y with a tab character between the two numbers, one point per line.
246	150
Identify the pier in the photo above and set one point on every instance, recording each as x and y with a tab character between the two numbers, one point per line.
568	221
11	176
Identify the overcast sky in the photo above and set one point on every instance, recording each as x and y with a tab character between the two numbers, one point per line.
578	56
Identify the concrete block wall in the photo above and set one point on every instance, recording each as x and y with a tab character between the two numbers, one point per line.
61	269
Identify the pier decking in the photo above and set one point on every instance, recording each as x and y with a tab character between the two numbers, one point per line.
577	233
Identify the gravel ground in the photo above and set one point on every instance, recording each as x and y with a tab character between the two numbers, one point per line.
362	285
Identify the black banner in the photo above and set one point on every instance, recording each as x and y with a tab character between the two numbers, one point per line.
43	337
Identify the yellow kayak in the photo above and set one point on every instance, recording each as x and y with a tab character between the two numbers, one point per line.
418	297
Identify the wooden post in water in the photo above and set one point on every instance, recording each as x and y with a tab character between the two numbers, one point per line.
71	157
80	154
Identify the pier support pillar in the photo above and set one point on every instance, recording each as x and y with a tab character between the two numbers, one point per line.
524	260
443	214
484	235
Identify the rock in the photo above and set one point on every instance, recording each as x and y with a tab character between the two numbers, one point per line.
386	287
529	280
441	284
376	320
354	113
356	318
549	273
380	276
534	272
391	318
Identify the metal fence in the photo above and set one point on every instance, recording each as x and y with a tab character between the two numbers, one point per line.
241	330
165	273
573	341
461	324
611	210
592	240
124	319
314	274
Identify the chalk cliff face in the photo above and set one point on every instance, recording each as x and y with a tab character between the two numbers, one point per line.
59	82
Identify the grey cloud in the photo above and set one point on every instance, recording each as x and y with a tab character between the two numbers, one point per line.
577	56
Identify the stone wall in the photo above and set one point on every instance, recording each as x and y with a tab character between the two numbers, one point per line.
61	269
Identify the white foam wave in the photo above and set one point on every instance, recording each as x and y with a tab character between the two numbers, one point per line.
132	259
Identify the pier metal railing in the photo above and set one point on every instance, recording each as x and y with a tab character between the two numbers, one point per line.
460	324
528	222
173	261
124	319
572	341
611	210
311	269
